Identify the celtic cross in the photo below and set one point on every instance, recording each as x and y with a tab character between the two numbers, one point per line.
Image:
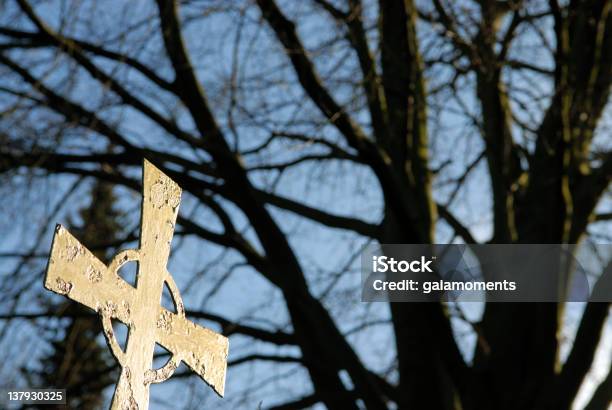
75	272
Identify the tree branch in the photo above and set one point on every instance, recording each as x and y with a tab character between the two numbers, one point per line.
265	358
322	217
454	223
74	51
37	39
602	397
580	359
310	81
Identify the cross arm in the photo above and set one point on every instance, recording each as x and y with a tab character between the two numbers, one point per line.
73	271
203	350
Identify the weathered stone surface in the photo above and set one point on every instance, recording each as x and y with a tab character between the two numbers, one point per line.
75	272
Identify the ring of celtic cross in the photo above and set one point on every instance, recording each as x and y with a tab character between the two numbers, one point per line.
106	313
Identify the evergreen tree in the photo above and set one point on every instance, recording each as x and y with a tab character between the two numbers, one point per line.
78	362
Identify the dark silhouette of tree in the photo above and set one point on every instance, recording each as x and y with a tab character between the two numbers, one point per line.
79	361
526	82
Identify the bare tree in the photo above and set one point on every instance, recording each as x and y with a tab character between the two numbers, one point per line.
331	96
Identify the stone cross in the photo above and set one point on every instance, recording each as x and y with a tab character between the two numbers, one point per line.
75	272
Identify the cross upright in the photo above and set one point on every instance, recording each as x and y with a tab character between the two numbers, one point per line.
75	272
